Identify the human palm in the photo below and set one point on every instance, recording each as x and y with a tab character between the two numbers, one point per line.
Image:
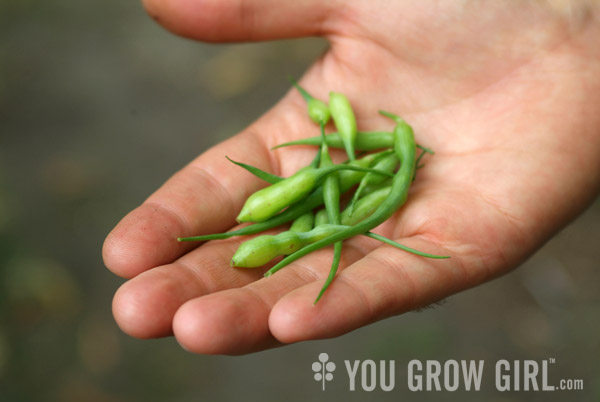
508	100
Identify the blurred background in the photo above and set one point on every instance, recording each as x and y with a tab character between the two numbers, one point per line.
98	107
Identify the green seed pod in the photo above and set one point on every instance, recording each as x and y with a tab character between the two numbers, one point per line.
404	147
268	201
331	185
365	141
388	164
262	249
321	218
331	199
318	111
345	121
365	206
303	223
348	179
258	251
374	187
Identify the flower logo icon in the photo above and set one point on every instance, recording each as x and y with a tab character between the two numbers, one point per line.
323	369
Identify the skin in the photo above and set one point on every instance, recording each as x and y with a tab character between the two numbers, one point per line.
509	102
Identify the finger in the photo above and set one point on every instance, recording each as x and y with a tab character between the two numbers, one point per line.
206	196
201	198
236	321
247	20
144	306
384	283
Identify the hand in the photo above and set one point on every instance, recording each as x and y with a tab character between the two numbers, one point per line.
508	100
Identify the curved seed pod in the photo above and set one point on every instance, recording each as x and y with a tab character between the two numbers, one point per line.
337	257
405	149
268	201
365	141
348	179
318	111
262	249
331	185
331	199
370	188
345	121
365	207
303	223
321	218
387	164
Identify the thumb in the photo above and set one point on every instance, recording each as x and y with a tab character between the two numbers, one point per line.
241	20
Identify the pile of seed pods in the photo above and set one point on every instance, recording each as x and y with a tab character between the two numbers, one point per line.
310	198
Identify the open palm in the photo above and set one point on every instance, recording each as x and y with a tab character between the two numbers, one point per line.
508	100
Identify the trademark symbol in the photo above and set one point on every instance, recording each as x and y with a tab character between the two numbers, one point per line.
552	360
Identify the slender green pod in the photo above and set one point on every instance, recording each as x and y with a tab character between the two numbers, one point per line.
365	206
335	264
331	185
373	187
303	223
345	121
262	249
348	179
387	164
405	149
331	199
268	201
321	218
318	111
365	141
